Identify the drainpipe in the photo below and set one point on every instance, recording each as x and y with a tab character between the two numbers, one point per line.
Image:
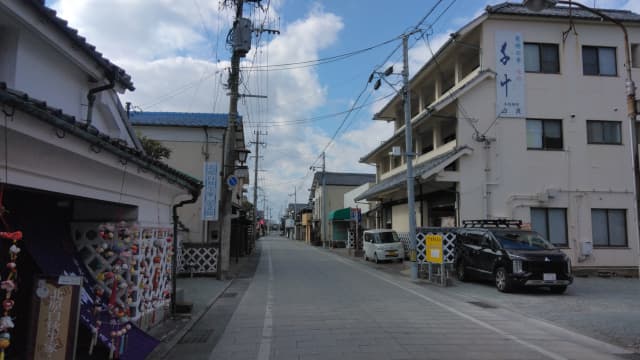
205	223
174	258
91	96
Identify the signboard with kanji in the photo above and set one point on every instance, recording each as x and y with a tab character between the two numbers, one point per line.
434	248
510	94
210	191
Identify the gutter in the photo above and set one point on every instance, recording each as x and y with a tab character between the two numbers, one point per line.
91	96
174	258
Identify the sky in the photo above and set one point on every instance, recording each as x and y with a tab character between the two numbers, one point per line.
314	73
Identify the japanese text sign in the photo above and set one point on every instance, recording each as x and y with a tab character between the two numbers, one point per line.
510	91
434	248
210	193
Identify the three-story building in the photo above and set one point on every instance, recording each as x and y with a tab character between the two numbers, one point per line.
522	114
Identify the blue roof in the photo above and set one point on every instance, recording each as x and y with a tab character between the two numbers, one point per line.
179	119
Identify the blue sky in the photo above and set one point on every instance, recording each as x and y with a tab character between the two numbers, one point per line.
176	54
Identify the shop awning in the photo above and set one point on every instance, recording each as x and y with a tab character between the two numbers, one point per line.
341	214
422	170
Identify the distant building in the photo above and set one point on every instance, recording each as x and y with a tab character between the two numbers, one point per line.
336	185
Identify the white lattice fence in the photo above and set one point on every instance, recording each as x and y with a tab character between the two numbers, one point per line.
350	240
404	238
198	259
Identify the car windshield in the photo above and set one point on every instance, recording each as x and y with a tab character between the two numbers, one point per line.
522	240
388	237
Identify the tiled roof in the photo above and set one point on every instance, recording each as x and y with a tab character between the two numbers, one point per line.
180	119
81	42
562	11
99	141
399	180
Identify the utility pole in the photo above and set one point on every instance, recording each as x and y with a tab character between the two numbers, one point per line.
295	210
411	200
241	43
255	187
409	152
324	203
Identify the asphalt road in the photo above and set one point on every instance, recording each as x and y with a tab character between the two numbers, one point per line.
308	303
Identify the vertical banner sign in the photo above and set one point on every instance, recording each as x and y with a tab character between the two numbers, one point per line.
57	306
434	248
211	185
510	99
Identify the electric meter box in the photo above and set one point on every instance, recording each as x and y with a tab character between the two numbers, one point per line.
242	36
587	248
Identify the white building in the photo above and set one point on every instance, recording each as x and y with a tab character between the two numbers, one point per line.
75	180
523	115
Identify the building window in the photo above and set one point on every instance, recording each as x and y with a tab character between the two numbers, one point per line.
544	134
635	55
609	227
604	132
541	58
599	60
551	223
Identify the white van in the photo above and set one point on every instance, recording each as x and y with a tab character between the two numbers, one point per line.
382	244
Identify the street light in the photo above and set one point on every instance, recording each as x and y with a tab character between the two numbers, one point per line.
242	155
539	5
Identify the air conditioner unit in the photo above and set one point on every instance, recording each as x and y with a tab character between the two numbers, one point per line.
395	151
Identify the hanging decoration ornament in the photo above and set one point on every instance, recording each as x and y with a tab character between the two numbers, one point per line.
9	286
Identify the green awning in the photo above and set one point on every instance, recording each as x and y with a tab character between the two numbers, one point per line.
342	214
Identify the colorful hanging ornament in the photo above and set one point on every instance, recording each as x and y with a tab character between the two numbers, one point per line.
9	286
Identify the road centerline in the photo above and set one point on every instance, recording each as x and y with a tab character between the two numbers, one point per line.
264	351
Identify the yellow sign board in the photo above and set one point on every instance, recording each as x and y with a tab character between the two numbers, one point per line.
434	248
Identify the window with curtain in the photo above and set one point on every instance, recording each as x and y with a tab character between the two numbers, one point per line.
604	132
599	60
544	134
541	58
609	227
551	223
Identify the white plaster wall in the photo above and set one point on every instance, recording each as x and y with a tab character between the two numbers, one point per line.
349	197
38	159
46	70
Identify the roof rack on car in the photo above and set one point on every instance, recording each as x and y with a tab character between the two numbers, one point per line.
493	223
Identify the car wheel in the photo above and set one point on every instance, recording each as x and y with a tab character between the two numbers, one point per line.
558	289
461	272
375	258
502	281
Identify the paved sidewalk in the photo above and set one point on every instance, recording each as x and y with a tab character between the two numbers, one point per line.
202	292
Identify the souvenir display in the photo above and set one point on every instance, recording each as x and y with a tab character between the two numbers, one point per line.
9	285
131	267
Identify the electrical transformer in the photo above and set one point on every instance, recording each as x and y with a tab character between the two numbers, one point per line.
242	36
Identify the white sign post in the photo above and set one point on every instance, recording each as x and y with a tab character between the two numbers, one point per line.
510	96
210	192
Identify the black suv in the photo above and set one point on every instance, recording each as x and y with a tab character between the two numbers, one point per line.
502	251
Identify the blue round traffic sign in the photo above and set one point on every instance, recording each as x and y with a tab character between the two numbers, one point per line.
232	180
